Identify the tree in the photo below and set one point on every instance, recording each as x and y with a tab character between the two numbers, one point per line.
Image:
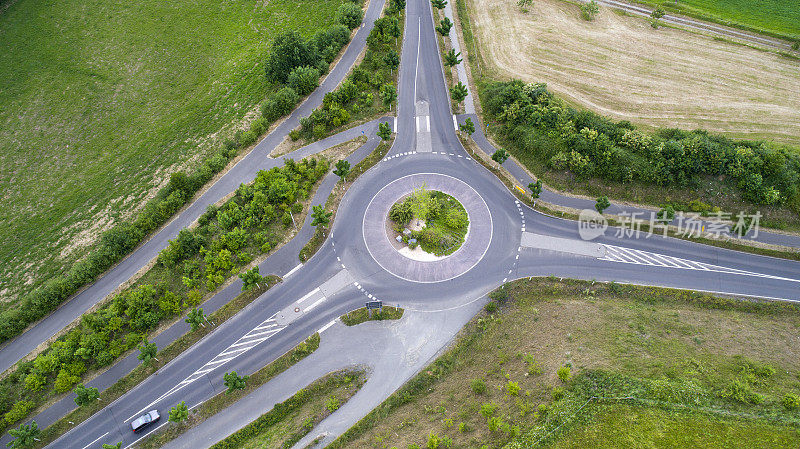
319	216
452	58
384	131
303	79
179	412
342	169
350	15
388	95
196	318
112	446
589	10
467	127
24	436
235	382
398	5
666	214
602	204
439	4
392	60
85	395
288	51
535	188
444	26
250	278
500	156
458	92
147	352
657	14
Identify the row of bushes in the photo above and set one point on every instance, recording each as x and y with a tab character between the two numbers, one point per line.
283	410
369	87
589	145
302	74
196	262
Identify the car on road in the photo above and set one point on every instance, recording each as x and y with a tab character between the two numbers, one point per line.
145	420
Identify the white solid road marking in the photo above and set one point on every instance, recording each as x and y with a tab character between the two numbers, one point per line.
455	122
419	41
395	124
325	327
319	301
95	441
308	295
292	271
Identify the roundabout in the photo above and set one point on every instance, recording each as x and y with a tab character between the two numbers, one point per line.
382	249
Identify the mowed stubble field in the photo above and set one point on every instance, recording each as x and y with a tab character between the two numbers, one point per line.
621	67
101	100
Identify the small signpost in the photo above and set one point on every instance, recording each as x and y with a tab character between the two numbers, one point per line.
374	305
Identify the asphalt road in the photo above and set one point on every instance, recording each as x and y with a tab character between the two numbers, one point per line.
343	274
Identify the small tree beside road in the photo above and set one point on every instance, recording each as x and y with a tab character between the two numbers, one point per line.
319	216
250	278
342	169
439	4
535	188
147	352
602	204
235	382
85	395
467	127
24	436
444	26
179	413
458	92
451	58
500	156
384	131
196	318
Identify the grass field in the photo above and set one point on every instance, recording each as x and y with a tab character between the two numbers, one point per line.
620	67
624	426
499	380
102	100
778	17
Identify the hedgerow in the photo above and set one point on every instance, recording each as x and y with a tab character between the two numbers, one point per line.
198	261
589	145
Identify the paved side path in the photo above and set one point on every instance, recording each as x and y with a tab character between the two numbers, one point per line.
393	351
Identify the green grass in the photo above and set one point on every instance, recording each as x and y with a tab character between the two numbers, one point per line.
777	17
102	99
676	351
362	315
624	426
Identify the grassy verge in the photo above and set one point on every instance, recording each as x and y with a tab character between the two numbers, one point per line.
224	400
519	372
770	17
291	420
335	197
165	356
362	315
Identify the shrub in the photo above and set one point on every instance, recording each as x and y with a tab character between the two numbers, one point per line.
304	79
294	134
558	393
740	391
589	10
488	409
564	373
478	386
512	388
248	137
18	411
500	295
350	15
259	126
332	404
791	401
491	307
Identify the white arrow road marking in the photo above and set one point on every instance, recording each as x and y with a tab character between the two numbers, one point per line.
639	257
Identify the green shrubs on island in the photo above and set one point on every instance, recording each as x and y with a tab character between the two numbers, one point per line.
536	122
197	261
446	221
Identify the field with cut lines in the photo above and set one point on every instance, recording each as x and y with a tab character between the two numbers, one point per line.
102	100
621	67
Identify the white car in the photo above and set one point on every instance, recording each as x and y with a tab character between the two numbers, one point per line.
145	420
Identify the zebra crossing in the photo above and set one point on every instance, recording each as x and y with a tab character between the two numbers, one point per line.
639	257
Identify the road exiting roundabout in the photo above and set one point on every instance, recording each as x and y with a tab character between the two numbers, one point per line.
379	244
